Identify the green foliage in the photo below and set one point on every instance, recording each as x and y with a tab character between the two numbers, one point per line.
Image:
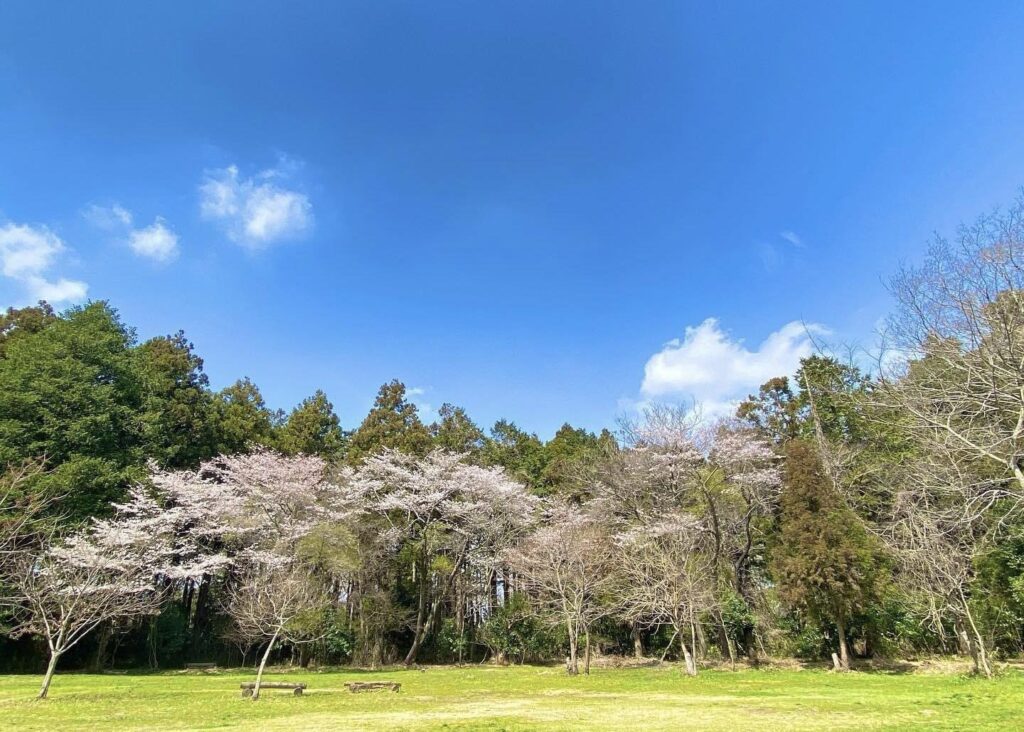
568	458
339	640
514	632
521	454
177	408
826	564
242	418
169	635
456	432
313	429
17	322
392	423
69	392
737	616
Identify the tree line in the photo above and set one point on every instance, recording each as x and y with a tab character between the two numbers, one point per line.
866	506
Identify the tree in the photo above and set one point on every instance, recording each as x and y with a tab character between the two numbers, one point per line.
392	423
276	601
70	392
456	432
826	564
242	418
65	591
937	549
665	575
567	566
521	454
722	476
24	321
22	510
955	370
177	408
568	457
313	429
774	412
446	512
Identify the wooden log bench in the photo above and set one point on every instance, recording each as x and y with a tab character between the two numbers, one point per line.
200	666
356	686
296	689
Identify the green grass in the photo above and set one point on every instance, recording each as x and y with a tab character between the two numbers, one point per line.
519	698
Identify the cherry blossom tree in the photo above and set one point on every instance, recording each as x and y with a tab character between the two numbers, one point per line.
665	575
725	477
63	592
567	566
448	512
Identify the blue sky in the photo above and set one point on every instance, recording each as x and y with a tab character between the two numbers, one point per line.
516	207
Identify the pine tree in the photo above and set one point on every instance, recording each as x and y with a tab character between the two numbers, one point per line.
392	423
827	565
313	429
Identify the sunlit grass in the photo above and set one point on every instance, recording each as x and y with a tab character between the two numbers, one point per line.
517	698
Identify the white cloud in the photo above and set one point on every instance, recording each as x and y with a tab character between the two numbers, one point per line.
717	371
156	241
255	211
792	238
26	253
62	290
109	218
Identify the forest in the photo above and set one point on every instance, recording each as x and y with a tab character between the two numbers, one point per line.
868	506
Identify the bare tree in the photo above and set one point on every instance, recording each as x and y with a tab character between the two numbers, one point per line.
936	547
275	602
954	366
952	375
666	577
566	565
21	509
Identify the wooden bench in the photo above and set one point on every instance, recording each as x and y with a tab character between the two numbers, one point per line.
357	686
200	666
297	689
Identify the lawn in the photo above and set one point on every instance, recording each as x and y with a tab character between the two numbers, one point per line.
519	698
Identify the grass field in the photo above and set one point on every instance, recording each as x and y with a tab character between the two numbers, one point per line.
520	698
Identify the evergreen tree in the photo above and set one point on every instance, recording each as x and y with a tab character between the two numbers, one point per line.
520	453
456	432
177	407
242	418
392	423
826	565
70	393
567	458
313	429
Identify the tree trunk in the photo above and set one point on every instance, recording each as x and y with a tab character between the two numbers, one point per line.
691	667
638	643
151	643
572	666
844	650
263	663
421	614
586	654
689	652
750	645
101	648
977	643
423	627
48	677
